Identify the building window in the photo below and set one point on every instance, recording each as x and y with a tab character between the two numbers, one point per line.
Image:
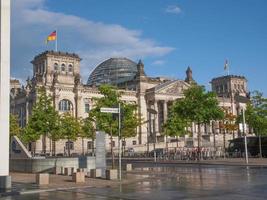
56	67
70	68
63	67
86	107
69	145
123	143
134	142
89	145
64	105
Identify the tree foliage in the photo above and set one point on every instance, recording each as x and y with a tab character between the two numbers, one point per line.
43	121
14	127
87	128
108	122
70	128
175	125
105	121
256	114
197	106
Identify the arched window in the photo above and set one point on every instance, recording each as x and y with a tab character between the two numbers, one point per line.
70	68
65	105
63	67
56	67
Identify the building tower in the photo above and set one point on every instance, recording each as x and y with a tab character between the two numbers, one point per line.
189	76
232	89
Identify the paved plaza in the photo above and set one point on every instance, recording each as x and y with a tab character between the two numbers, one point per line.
161	181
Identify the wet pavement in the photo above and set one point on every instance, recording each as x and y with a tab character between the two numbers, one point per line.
169	182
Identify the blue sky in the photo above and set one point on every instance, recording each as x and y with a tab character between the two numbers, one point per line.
168	35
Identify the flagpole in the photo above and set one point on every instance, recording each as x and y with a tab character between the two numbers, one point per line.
56	40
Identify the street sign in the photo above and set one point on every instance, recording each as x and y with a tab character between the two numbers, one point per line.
109	110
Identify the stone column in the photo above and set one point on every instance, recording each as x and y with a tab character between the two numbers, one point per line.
27	110
165	111
157	116
5	180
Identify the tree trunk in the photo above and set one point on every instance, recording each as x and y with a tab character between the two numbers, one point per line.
44	144
111	149
68	147
34	148
198	141
53	147
224	132
93	146
50	146
260	147
177	144
83	145
214	143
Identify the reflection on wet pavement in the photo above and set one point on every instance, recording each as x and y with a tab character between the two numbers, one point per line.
183	182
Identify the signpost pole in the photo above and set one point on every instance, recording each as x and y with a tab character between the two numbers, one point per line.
119	141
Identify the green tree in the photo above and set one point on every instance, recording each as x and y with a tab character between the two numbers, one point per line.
197	106
43	121
256	115
30	135
108	122
70	128
129	121
228	125
14	127
87	131
175	126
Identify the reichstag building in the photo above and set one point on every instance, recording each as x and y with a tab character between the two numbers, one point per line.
59	73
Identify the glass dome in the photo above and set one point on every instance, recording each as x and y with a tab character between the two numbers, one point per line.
113	71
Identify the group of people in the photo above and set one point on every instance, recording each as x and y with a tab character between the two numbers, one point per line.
189	153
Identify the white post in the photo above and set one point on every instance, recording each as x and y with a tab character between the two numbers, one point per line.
119	141
5	180
245	135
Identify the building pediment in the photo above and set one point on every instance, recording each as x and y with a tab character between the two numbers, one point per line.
174	87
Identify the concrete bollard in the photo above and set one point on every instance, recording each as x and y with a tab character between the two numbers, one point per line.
67	171
111	174
42	179
95	173
129	167
78	177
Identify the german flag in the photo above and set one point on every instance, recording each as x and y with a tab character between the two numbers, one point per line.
51	37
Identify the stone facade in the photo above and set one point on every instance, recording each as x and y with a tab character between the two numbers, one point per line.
59	73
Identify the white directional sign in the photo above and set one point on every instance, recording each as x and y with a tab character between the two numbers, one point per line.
109	110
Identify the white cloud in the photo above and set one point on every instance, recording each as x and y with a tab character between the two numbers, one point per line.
174	9
93	41
158	62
